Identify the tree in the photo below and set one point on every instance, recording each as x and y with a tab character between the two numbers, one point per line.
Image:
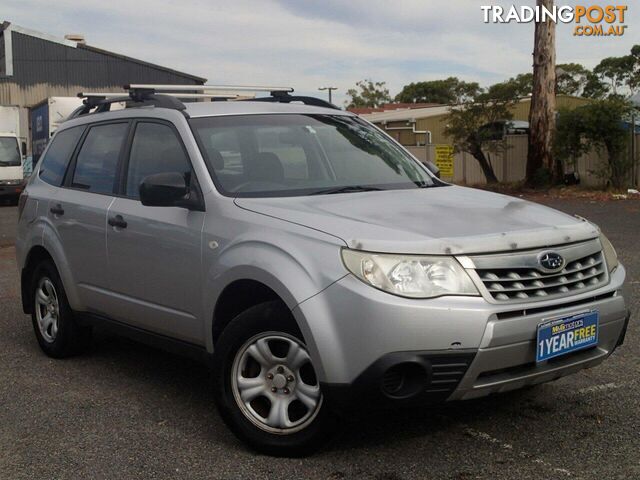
619	71
468	124
634	79
569	144
519	86
448	91
368	94
571	79
594	87
543	102
598	125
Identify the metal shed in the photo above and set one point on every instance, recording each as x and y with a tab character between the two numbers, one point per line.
35	66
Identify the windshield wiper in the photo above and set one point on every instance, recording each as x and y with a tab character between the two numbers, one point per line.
347	189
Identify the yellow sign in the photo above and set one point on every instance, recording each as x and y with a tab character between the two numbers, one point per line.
444	160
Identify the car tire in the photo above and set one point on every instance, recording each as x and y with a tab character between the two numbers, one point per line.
275	404
54	324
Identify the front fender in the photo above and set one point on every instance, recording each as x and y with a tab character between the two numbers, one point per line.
295	273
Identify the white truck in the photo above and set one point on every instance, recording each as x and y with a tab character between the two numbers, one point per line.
13	149
46	117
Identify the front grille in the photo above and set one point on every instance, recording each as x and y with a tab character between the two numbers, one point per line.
516	278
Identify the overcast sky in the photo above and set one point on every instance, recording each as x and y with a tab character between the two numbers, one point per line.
312	43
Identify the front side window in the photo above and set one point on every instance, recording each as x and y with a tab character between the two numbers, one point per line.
97	161
55	162
9	152
155	149
289	154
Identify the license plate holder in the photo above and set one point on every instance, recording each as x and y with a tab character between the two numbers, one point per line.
561	335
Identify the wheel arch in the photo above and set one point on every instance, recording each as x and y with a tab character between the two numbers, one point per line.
37	254
247	286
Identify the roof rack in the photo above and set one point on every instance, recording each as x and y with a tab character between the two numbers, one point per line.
277	94
208	88
102	102
166	96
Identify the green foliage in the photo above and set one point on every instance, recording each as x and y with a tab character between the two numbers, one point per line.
514	88
600	126
571	78
619	71
594	87
368	94
568	141
634	80
448	91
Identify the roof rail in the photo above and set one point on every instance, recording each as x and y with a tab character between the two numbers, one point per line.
284	97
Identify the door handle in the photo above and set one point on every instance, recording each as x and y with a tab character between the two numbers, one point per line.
117	221
57	209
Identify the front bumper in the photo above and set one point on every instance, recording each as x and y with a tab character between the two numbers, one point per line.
356	334
11	190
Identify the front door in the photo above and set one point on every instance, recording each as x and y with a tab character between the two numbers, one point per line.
153	253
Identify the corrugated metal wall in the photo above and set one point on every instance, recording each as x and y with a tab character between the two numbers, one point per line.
3	64
44	69
510	165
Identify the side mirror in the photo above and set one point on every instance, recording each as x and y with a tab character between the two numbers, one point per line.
164	190
433	168
24	149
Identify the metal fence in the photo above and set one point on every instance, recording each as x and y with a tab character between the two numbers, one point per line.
510	165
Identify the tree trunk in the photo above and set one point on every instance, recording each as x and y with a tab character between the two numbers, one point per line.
486	167
543	102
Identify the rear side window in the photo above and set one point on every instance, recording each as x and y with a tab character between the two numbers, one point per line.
54	163
97	160
155	149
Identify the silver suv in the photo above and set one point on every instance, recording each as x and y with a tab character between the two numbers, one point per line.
309	258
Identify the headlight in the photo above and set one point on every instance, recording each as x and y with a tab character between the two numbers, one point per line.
610	254
410	275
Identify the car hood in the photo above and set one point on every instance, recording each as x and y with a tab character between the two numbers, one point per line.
441	220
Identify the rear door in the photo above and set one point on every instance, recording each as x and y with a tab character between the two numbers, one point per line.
154	253
78	211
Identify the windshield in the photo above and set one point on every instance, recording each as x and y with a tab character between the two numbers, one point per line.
287	155
9	152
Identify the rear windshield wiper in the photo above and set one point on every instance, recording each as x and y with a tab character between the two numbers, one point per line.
347	189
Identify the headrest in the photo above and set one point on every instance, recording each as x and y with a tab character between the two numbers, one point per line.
216	159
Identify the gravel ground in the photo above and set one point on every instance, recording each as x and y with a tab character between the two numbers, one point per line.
128	411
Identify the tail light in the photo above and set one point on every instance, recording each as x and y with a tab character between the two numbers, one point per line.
24	196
